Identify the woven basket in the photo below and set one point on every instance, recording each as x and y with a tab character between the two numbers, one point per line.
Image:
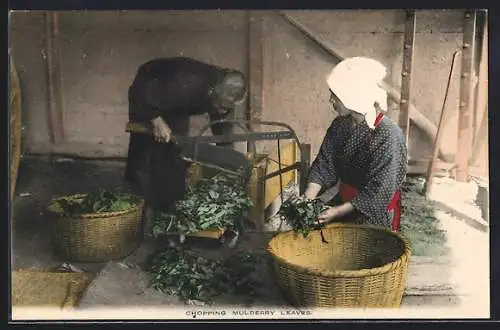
361	266
15	127
40	288
96	237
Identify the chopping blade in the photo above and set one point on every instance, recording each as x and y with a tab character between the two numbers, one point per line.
249	136
218	158
199	150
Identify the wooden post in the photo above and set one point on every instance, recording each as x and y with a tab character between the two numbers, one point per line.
255	68
481	130
56	119
465	110
406	82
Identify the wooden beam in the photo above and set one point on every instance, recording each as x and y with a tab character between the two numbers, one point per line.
56	120
415	115
465	110
406	72
421	166
481	130
255	68
422	279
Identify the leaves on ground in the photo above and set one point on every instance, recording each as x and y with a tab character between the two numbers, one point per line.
419	223
198	279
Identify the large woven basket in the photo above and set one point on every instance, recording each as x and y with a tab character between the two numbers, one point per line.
96	237
15	127
360	267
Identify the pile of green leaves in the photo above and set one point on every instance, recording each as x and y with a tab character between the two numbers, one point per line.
419	223
302	215
218	202
99	201
195	278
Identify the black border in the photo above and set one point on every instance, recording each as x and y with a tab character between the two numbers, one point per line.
494	109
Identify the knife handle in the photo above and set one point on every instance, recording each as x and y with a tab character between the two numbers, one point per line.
138	128
144	129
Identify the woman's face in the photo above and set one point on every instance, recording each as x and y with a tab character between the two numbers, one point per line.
338	106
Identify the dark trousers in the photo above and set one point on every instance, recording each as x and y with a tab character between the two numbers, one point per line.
156	170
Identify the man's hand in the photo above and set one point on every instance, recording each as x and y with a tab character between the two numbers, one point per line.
161	131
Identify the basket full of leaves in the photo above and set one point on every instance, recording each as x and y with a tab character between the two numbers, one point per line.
215	203
95	227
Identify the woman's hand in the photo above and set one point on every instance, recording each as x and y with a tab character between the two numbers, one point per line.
161	131
312	191
329	214
335	212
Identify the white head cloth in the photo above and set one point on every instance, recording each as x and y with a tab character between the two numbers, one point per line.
355	81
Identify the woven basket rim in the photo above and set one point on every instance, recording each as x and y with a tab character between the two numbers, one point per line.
344	273
137	204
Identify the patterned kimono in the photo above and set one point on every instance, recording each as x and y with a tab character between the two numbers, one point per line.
372	161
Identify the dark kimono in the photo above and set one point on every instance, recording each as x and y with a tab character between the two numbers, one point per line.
174	89
373	161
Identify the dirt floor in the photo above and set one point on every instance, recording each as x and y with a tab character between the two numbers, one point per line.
41	179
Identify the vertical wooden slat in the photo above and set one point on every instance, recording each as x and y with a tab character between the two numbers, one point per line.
56	119
255	68
406	81
481	130
305	163
465	110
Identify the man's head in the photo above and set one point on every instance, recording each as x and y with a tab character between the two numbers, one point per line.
228	92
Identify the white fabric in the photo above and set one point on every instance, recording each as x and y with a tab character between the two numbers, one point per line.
355	81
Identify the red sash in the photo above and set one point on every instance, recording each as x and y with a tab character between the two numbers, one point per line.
348	192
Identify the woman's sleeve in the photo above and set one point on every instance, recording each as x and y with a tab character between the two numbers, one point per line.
385	175
322	169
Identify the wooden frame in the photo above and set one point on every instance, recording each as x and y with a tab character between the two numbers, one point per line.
406	72
465	110
255	68
56	119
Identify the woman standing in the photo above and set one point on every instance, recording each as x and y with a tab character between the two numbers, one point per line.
363	150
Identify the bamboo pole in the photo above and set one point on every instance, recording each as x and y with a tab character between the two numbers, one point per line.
432	164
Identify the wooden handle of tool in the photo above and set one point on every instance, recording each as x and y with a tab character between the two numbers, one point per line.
138	128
